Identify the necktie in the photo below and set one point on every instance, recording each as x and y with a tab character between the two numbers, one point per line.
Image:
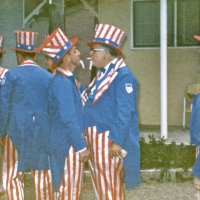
102	69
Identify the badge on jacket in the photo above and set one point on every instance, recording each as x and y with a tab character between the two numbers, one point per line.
2	80
129	87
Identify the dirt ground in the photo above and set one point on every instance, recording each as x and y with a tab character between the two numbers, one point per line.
151	190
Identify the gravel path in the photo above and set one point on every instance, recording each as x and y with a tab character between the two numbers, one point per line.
164	191
151	191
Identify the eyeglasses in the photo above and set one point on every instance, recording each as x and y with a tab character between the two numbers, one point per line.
96	49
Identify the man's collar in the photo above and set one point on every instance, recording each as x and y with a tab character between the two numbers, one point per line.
64	71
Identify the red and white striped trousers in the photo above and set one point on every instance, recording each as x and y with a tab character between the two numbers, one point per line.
107	173
13	181
72	177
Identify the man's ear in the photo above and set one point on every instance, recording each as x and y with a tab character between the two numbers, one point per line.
67	58
64	58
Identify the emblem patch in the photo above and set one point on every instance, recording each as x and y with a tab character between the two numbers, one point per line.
2	81
129	87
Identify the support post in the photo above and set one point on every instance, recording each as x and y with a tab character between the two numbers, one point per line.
163	68
56	14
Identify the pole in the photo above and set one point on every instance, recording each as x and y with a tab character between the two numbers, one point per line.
56	14
163	67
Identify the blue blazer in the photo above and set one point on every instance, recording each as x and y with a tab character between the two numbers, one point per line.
195	131
65	110
195	121
24	115
116	111
196	167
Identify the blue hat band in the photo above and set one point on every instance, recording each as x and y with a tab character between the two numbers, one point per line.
62	52
106	41
25	47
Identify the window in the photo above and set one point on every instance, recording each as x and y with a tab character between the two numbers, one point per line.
183	22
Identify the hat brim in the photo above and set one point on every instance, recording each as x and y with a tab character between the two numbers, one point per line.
37	50
74	41
196	37
118	50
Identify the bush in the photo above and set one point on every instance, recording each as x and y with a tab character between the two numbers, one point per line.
157	154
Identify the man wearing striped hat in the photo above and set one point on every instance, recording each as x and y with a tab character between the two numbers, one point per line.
24	118
68	147
111	117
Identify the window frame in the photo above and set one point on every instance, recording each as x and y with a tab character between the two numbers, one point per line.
175	29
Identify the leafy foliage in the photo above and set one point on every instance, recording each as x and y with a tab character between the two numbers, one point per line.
157	154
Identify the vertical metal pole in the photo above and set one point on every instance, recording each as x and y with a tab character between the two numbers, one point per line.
23	26
163	67
175	23
56	15
96	21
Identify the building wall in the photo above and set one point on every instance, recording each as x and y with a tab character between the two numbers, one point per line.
183	68
81	24
10	19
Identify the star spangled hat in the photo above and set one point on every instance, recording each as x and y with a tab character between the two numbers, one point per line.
1	44
26	41
108	35
56	45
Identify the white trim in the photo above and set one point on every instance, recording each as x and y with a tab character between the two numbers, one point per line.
158	48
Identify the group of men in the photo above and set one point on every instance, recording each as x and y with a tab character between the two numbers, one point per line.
53	124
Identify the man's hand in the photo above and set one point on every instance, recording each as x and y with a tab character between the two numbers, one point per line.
114	150
84	155
197	183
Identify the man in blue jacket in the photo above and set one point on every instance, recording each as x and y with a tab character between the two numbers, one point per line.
68	146
195	133
2	142
111	117
24	116
195	137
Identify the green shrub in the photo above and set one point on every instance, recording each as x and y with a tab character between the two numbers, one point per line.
157	154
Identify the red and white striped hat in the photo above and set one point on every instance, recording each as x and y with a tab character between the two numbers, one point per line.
56	45
26	41
108	35
1	44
